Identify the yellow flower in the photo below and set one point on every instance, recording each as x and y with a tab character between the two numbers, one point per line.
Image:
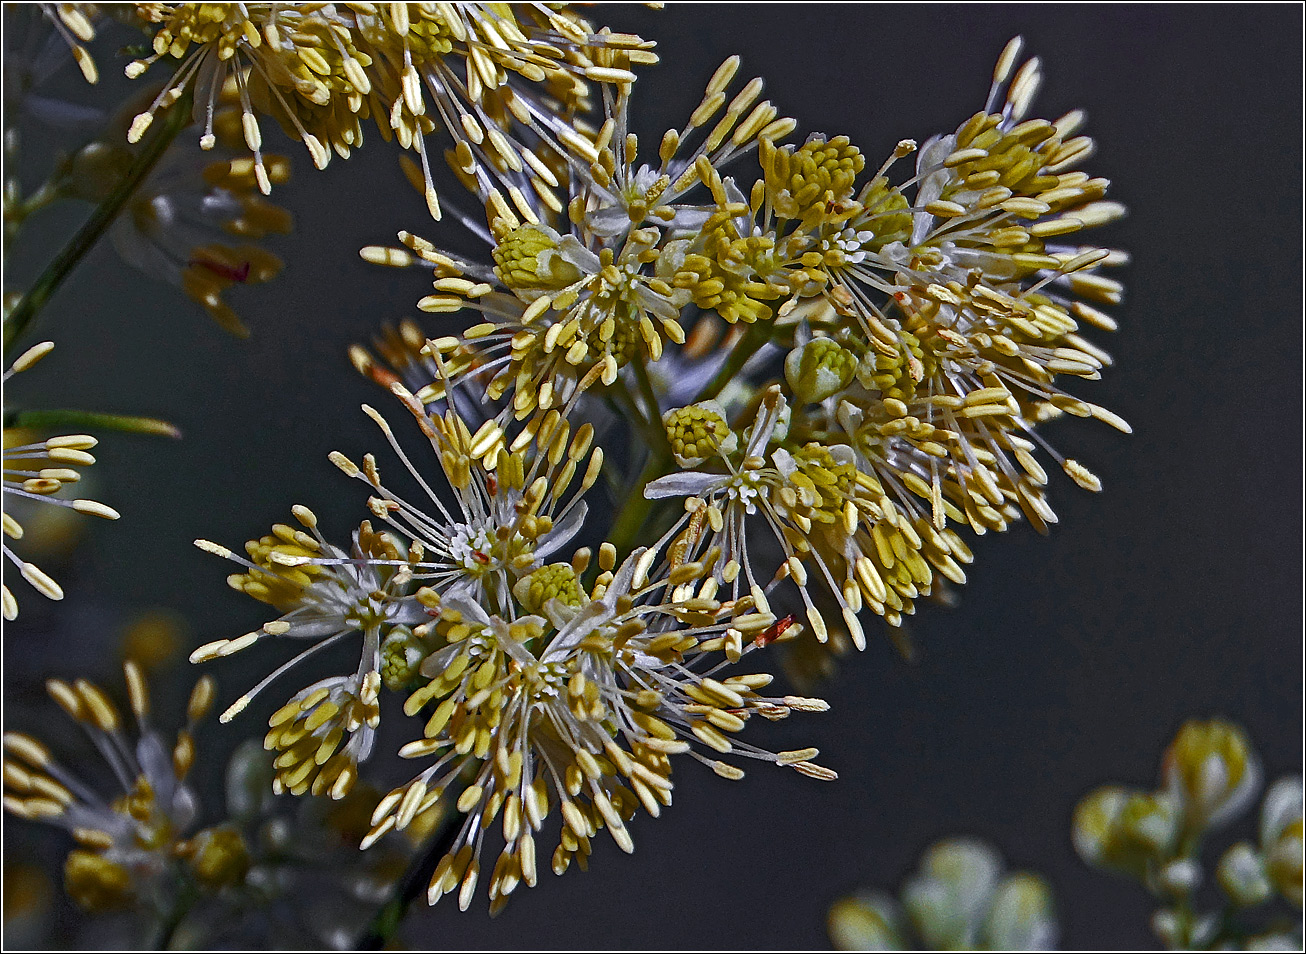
38	470
578	306
580	711
324	594
128	843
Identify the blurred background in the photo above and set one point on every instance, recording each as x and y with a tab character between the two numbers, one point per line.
1068	661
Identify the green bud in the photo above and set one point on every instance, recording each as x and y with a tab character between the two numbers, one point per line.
401	658
1022	916
527	258
1124	830
949	898
1281	838
557	581
865	923
818	171
697	432
1180	877
819	369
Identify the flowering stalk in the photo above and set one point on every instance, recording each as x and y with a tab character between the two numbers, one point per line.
29	306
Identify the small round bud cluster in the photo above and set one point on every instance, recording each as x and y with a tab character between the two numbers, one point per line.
625	341
960	899
1210	774
401	657
819	369
1125	830
696	432
557	581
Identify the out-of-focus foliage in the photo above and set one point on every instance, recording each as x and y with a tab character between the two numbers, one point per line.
961	898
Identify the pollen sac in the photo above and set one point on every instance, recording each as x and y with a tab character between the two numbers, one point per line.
819	369
697	432
96	883
528	258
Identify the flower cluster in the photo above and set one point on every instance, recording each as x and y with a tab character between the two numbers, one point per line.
762	374
579	705
571	302
853	367
267	868
1209	777
546	691
130	846
480	70
924	326
935	316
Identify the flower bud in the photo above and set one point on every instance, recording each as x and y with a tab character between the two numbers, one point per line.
1180	877
865	923
1022	916
697	432
1124	830
401	658
819	369
557	581
528	258
1281	838
1211	769
96	883
951	895
219	857
1241	875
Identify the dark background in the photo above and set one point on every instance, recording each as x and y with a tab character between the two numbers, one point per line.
1069	662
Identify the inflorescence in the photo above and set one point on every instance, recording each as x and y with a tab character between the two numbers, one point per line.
801	380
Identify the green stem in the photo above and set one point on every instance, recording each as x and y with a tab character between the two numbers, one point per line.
634	512
745	348
621	395
186	898
61	419
650	397
27	309
636	507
